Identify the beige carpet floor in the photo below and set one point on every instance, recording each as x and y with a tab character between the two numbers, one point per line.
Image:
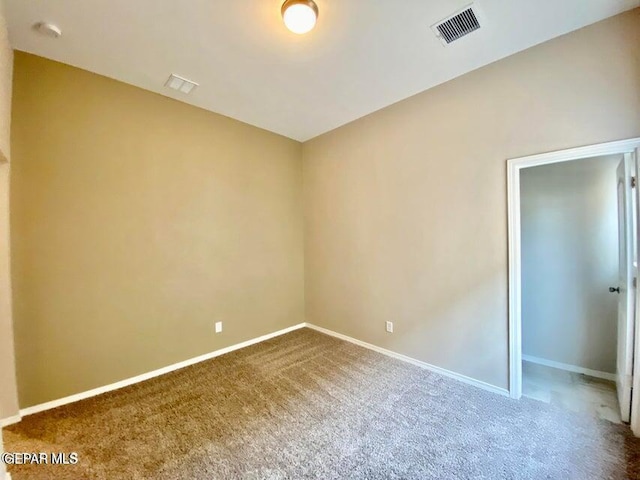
305	405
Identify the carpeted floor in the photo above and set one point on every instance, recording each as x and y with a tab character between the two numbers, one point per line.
306	405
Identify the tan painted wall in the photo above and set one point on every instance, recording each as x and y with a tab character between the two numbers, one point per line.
406	209
8	393
138	222
6	73
569	244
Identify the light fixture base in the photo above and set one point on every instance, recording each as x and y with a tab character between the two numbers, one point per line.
309	3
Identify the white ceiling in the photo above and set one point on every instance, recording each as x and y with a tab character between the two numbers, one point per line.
362	56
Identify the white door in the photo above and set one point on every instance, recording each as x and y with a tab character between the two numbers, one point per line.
635	404
626	298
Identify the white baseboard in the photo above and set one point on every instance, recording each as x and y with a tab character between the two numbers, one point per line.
570	368
207	356
145	376
419	363
5	422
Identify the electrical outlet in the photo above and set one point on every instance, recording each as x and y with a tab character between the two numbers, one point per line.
218	327
390	327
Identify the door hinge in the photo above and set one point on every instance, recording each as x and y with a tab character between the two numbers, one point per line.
635	282
633	182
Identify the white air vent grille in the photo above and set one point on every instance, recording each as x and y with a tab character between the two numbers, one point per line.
181	84
458	25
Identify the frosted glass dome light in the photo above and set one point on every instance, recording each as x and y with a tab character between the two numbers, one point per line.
300	16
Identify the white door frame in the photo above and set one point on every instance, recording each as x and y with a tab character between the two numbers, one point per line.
515	274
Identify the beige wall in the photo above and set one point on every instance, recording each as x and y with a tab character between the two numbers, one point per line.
8	393
569	243
6	72
406	213
138	222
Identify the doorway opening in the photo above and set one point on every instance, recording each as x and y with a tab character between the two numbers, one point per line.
572	288
570	255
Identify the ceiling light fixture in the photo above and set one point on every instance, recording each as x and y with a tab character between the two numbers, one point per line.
299	16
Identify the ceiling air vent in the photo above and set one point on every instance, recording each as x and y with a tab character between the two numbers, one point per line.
457	25
181	84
